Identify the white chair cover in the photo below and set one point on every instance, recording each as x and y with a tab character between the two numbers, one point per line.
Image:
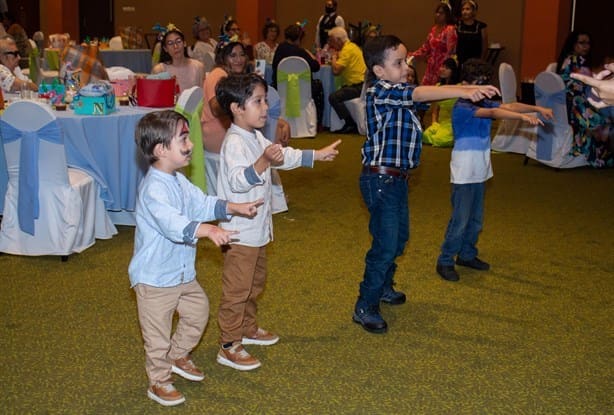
115	43
279	203
305	125
512	135
358	109
70	212
209	61
555	139
551	67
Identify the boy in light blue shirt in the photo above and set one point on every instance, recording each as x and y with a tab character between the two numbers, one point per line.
169	215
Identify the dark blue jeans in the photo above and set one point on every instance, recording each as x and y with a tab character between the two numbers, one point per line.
465	223
386	198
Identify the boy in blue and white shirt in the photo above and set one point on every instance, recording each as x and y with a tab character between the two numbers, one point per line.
470	168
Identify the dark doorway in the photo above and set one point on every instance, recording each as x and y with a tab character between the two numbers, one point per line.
25	12
96	18
595	17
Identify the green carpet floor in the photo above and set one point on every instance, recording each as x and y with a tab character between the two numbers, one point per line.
532	336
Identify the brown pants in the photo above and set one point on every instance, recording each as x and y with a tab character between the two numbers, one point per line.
156	307
243	281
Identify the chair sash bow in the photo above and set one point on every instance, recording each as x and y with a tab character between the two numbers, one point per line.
27	199
293	91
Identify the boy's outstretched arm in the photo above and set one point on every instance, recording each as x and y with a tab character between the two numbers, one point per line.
504	114
520	107
327	153
471	92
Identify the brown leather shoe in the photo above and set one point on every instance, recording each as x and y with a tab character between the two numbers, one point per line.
186	368
165	394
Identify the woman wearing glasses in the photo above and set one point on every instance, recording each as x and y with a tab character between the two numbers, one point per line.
593	131
174	60
11	77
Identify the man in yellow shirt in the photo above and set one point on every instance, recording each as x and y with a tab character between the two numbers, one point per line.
348	64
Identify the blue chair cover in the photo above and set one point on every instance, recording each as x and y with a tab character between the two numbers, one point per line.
545	134
27	199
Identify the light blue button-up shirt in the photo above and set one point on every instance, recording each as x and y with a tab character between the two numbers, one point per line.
168	211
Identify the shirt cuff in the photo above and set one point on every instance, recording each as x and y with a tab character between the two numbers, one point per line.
251	176
189	232
221	210
307	159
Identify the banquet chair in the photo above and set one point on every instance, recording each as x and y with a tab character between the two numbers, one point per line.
209	61
555	138
49	209
115	43
279	203
297	105
190	104
512	135
358	110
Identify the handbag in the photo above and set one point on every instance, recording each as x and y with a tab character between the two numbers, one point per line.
157	93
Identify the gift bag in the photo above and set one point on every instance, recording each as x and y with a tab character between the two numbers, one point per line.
156	93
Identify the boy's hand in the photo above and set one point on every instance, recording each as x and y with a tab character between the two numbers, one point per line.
531	119
282	135
249	209
479	92
217	235
327	153
546	113
274	154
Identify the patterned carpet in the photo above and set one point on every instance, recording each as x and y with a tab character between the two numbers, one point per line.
532	336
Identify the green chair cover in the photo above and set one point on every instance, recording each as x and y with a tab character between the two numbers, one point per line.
196	169
293	90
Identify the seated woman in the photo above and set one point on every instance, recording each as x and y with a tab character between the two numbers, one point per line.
201	29
230	28
593	133
174	60
266	49
439	133
11	77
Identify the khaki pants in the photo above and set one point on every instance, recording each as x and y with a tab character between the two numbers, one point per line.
243	281
156	307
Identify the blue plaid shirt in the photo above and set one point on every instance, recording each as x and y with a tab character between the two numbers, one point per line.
394	134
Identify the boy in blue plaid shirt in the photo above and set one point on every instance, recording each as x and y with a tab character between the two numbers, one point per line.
391	150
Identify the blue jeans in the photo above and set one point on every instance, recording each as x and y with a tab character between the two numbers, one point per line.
465	223
386	198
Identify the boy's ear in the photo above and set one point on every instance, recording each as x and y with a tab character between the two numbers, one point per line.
378	70
235	108
158	150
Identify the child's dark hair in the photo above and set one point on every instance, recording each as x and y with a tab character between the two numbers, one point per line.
155	128
223	51
237	88
454	76
477	72
374	52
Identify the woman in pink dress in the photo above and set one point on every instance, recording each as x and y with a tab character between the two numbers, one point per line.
440	44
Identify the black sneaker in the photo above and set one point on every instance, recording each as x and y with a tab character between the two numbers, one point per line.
447	272
475	263
392	297
370	319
